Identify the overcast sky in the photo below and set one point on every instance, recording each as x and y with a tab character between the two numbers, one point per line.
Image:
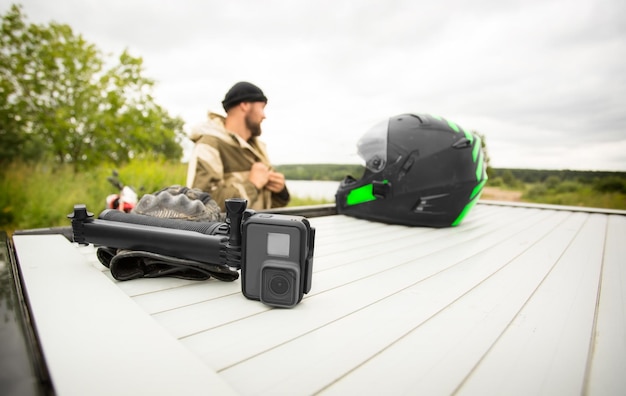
543	80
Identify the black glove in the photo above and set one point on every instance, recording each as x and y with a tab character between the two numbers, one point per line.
131	264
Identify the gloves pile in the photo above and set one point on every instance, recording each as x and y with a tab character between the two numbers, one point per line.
174	202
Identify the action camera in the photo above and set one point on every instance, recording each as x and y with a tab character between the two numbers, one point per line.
273	251
277	259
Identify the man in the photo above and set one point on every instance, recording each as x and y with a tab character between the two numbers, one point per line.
229	161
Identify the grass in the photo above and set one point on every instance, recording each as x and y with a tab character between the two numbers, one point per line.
608	193
585	196
42	195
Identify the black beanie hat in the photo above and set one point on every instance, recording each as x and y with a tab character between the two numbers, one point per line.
242	92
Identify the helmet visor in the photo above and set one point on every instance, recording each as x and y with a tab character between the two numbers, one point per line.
372	147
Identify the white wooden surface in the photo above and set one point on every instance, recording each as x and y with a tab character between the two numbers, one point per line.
95	340
516	300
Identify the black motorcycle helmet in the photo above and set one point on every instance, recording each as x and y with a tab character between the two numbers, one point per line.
420	170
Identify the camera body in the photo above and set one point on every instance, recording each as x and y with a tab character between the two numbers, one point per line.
277	258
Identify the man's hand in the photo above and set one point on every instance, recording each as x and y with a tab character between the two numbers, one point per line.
259	175
276	182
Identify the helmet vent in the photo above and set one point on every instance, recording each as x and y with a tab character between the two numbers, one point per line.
408	164
430	204
462	143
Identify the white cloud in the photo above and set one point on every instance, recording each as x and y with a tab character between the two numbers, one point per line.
542	79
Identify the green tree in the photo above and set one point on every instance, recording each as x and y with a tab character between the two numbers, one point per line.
57	101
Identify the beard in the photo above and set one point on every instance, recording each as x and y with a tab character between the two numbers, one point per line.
254	127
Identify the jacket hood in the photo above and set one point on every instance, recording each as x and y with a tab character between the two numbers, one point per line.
214	125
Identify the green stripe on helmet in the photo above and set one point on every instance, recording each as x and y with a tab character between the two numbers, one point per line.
362	194
478	189
479	166
468	135
476	149
465	211
454	127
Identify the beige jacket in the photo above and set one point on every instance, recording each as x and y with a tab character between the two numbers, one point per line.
220	165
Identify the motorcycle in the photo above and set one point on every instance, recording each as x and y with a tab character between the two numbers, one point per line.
126	199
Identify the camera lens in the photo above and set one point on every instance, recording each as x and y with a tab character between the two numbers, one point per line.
279	285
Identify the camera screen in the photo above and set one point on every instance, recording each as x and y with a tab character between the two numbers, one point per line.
278	244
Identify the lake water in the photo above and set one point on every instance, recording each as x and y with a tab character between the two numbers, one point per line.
313	189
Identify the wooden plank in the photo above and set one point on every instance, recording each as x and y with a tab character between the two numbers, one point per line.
192	319
138	287
189	294
545	348
351	265
435	356
567	208
381	237
94	338
607	364
156	297
336	330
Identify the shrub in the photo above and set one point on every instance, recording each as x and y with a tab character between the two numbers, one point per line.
495	182
552	182
611	184
568	187
538	190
